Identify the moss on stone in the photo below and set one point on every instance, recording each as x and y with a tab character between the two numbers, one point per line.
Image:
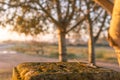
63	71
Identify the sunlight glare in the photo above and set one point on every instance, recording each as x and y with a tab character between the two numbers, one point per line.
6	34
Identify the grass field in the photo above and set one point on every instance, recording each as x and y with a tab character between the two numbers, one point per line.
106	54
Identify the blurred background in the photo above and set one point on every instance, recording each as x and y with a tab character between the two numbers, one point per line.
18	48
53	31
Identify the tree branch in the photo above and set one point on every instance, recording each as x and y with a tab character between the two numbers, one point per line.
100	30
97	15
76	24
58	10
45	11
67	12
73	10
106	4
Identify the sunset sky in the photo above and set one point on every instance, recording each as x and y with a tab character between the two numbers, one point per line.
6	34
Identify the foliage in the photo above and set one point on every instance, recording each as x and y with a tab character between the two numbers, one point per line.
30	16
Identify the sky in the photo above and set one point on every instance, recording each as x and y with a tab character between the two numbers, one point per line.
6	34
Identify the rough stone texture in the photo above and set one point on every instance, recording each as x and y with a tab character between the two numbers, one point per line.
62	71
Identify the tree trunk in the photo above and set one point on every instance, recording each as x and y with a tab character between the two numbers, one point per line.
114	31
91	50
62	46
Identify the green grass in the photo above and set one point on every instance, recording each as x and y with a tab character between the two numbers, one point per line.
74	52
55	55
106	54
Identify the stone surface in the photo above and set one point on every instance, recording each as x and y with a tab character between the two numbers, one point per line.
62	71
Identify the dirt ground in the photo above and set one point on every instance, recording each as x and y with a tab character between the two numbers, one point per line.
8	61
